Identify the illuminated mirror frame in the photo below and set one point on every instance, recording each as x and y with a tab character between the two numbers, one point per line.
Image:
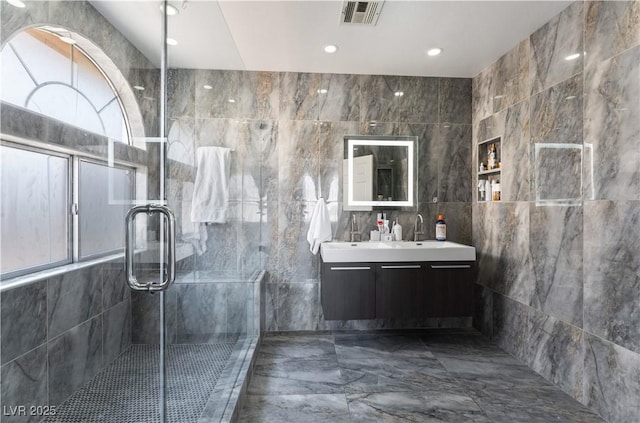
410	142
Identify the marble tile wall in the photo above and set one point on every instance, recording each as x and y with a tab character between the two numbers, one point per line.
287	137
57	333
559	257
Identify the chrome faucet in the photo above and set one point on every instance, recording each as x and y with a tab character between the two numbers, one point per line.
354	229
416	232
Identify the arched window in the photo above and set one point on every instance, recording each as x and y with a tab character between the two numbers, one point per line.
45	71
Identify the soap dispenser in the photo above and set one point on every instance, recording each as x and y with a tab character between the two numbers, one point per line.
397	231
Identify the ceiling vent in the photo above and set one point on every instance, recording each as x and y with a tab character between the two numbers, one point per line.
361	12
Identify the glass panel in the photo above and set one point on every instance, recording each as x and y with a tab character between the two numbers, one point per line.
105	195
46	57
16	83
35	209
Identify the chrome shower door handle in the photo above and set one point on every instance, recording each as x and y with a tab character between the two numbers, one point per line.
170	275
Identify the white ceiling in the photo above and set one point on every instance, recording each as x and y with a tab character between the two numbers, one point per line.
290	35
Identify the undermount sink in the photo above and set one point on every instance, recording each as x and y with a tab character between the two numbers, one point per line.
383	251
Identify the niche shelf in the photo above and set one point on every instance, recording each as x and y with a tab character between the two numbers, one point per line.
492	175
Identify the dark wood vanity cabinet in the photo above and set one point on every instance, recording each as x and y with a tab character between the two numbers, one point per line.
396	290
348	291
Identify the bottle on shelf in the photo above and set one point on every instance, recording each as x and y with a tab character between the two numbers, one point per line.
441	228
495	190
491	157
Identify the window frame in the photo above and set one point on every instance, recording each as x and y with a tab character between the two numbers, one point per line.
72	194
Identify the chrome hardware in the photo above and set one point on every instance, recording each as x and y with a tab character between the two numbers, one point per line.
352	268
451	266
407	266
354	235
170	274
416	232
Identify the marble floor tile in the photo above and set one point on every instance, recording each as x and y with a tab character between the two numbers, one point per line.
284	348
429	406
482	374
395	375
444	376
296	376
532	405
295	408
375	346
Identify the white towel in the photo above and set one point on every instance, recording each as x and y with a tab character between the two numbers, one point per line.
320	226
192	232
211	189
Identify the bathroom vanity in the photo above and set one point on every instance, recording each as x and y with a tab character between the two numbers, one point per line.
380	280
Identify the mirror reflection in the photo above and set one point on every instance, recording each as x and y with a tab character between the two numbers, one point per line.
379	172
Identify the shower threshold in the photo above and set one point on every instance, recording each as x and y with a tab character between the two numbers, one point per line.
128	389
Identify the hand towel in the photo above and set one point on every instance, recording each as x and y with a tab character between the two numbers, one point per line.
192	232
211	189
320	226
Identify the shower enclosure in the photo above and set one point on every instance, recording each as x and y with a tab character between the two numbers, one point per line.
94	131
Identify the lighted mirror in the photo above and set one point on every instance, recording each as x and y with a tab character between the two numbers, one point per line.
379	172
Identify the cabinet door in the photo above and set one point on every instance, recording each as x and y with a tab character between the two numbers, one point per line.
399	290
450	289
348	291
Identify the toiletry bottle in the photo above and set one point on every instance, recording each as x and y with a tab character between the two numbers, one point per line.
441	228
397	231
491	159
495	191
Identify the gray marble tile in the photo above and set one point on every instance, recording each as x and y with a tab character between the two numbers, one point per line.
259	95
455	100
516	153
296	263
220	102
341	101
15	19
557	174
24	319
466	346
423	406
309	408
281	349
531	404
458	218
611	27
510	325
298	306
612	128
379	347
556	113
482	375
299	96
611	267
486	236
296	377
74	358
430	145
24	383
116	329
552	43
454	165
481	98
555	351
239	301
72	299
298	148
611	380
394	375
511	80
418	102
378	100
556	244
181	93
201	312
145	317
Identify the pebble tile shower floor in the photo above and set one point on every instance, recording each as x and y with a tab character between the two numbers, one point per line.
434	376
127	391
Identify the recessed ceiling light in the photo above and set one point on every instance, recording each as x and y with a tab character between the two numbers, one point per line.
138	87
17	3
573	56
434	51
171	10
207	87
570	97
67	40
171	42
330	48
231	100
398	93
322	91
